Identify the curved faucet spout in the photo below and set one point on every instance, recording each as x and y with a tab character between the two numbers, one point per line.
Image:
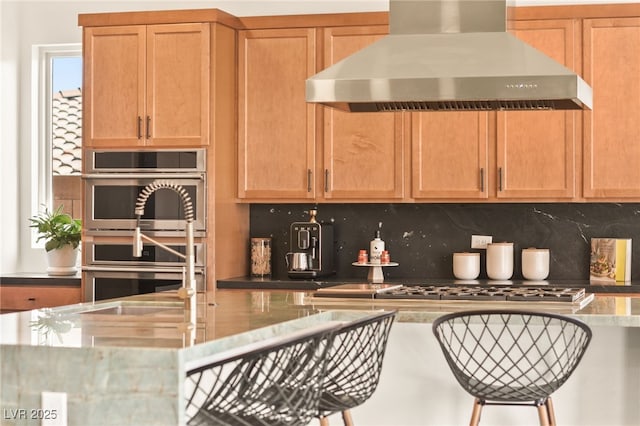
159	184
189	282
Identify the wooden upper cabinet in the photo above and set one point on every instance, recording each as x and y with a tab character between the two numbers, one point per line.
363	152
450	155
612	128
536	150
528	155
276	126
146	85
361	156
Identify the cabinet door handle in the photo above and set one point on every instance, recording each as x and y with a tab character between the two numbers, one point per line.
481	179
309	178
139	127
148	127
326	180
500	179
31	299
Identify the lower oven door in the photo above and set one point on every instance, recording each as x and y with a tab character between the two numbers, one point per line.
109	283
109	254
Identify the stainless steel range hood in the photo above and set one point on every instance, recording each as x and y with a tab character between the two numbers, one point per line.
444	55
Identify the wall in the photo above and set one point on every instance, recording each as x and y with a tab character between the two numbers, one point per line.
8	138
422	237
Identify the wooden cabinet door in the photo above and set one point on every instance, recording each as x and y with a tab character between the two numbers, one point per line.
612	128
146	85
177	89
276	126
536	150
363	152
114	75
450	155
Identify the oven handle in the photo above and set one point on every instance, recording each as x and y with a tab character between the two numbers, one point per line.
144	176
142	270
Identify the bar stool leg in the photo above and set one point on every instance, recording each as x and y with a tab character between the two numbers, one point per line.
543	414
324	421
475	414
551	413
346	418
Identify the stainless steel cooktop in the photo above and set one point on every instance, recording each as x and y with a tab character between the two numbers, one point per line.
458	292
463	292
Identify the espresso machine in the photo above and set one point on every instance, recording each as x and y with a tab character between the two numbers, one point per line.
311	246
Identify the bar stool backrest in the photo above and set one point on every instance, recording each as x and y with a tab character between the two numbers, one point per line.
276	382
511	355
355	362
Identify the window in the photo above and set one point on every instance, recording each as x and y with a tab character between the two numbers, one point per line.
57	127
66	115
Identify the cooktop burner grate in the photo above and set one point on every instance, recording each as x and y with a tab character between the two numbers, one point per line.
546	294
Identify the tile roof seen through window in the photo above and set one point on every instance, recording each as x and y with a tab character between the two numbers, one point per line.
66	124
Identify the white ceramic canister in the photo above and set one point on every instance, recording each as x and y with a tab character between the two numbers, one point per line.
466	266
535	263
500	261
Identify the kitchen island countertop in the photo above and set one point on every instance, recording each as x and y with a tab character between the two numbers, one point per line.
131	353
136	345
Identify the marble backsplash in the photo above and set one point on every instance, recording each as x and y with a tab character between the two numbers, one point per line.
422	237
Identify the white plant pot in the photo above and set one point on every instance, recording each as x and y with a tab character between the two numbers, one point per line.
62	261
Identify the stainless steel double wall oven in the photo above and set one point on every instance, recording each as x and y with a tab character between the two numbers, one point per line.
112	182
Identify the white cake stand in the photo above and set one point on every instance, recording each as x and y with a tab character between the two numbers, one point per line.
375	270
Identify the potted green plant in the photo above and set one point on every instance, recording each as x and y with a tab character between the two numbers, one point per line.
62	235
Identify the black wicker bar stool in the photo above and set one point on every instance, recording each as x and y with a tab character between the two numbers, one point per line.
512	357
354	365
277	382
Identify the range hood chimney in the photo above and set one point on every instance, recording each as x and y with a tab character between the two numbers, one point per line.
448	55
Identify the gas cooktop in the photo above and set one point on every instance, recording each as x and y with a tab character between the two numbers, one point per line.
458	292
463	292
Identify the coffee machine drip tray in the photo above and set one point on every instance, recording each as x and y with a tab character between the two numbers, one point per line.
275	284
303	275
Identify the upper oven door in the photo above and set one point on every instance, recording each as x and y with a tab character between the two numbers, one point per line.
110	202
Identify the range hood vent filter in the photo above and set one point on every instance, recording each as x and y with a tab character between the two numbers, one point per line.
458	106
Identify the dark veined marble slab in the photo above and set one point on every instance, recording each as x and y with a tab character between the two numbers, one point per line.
423	237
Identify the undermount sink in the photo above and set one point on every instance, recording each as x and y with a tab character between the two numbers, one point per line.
137	310
133	310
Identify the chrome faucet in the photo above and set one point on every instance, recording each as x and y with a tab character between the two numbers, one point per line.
188	289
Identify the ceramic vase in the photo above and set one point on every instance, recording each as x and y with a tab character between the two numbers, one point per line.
62	261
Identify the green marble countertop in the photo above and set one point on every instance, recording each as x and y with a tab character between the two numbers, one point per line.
158	320
596	310
133	353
